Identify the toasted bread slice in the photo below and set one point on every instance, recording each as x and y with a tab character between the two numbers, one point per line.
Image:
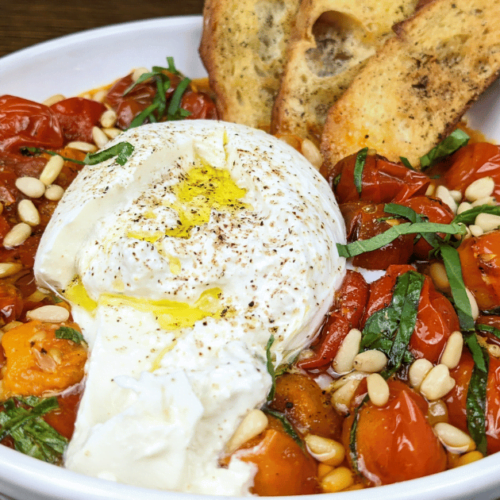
414	91
329	45
243	48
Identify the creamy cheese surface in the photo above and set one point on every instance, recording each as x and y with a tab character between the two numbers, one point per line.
180	265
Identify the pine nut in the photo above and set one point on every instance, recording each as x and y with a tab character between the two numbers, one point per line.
86	95
418	371
378	389
28	213
337	480
53	99
430	190
437	383
439	276
463	207
325	450
11	326
9	268
341	399
138	72
38	337
108	118
112	132
311	152
323	470
100	138
17	235
437	412
453	350
494	350
252	425
456	195
443	193
468	458
54	192
371	361
52	170
56	355
100	95
30	186
476	231
473	304
340	382
82	146
463	236
454	438
348	350
480	188
489	200
487	222
49	314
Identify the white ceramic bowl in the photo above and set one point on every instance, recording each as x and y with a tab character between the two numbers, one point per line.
80	62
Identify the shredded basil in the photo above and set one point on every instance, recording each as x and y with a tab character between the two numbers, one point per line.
29	151
448	146
353	451
287	426
175	112
469	216
476	350
143	115
492	312
406	163
65	332
336	180
270	368
489	329
358	169
171	66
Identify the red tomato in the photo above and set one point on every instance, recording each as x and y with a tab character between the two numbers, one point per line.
4	227
22	166
63	419
436	319
77	116
491	321
395	442
480	259
27	123
11	303
436	211
456	399
362	223
473	162
200	105
352	297
383	181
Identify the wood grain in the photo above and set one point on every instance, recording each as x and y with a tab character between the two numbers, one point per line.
26	22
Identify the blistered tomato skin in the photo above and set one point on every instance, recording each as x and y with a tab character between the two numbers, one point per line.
352	298
199	105
456	399
63	419
395	442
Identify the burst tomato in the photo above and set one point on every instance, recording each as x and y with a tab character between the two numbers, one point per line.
199	105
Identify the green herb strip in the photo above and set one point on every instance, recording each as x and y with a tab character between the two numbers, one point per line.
407	163
336	180
36	151
64	332
171	66
270	368
287	426
469	216
174	108
353	451
489	329
358	169
448	146
143	115
492	312
379	241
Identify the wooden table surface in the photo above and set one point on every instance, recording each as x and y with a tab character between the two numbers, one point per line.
26	22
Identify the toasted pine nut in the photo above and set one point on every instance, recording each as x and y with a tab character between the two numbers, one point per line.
494	350
487	222
100	138
454	438
37	296
9	268
53	99
138	72
378	389
82	146
252	425
340	382
456	195
443	193
28	212
100	95
49	314
108	118
393	222
52	170
489	200
54	192
480	188
337	480
348	350
463	207
38	337
17	235
323	470
418	371
476	231
30	186
341	399
437	383
371	361
112	132
453	350
431	188
325	450
468	458
11	326
437	412
473	304
311	152
56	355
439	276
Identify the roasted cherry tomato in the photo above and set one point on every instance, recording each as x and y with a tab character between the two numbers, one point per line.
436	319
63	419
382	181
473	162
435	211
364	221
480	259
11	303
456	399
77	116
395	442
22	166
199	105
352	298
493	321
27	123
